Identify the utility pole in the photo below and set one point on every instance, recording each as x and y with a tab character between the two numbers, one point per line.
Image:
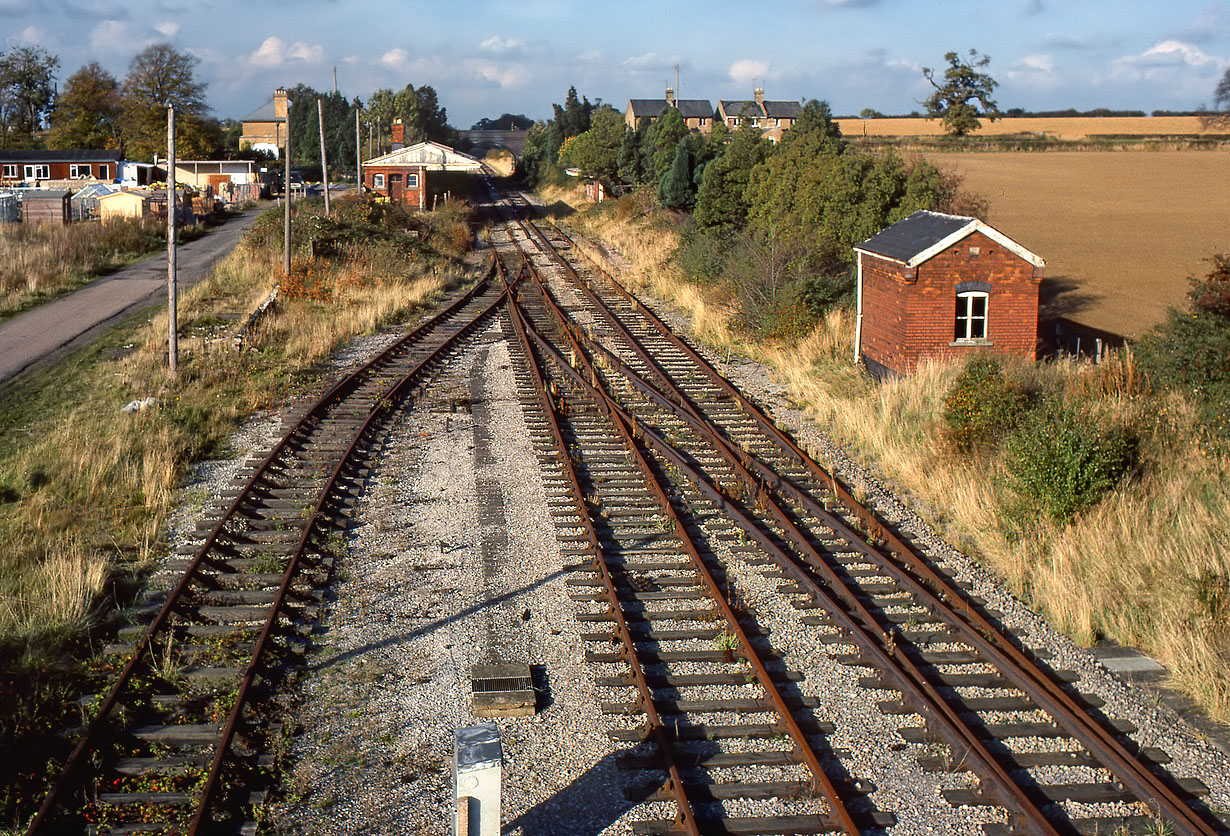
358	156
286	189
172	265
324	163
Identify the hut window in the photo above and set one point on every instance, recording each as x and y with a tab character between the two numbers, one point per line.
412	181
971	316
38	171
10	172
377	181
75	171
102	172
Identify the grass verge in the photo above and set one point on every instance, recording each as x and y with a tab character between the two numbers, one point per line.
85	488
1149	566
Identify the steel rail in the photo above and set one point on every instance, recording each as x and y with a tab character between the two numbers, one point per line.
376	415
624	423
948	602
343	388
685	815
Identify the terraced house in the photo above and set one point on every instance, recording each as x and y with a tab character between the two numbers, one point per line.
697	114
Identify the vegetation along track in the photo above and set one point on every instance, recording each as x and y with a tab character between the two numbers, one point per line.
181	741
663	452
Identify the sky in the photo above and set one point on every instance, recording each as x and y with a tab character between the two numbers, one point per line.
519	56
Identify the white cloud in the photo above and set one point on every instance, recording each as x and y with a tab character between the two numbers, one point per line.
119	37
1034	71
501	46
167	28
273	52
747	71
395	58
652	62
1166	54
31	36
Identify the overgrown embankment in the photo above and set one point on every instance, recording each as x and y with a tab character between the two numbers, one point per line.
1102	499
85	488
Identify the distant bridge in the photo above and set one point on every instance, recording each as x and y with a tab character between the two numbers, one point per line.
513	141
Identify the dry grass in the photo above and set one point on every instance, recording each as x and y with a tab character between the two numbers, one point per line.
41	260
1147	567
1074	128
1120	231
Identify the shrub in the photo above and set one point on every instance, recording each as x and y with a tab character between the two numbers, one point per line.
982	404
1062	462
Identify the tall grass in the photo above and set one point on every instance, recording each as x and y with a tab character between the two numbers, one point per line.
41	260
1149	566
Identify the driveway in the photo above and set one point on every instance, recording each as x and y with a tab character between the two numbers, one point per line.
45	333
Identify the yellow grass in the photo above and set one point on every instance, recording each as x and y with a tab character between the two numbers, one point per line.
1127	570
1120	231
1077	127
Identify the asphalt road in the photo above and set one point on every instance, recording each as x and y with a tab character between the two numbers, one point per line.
43	334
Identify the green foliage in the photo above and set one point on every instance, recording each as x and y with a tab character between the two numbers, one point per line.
1190	352
982	404
661	140
419	110
27	93
952	101
305	131
1062	462
505	122
677	190
702	253
721	201
596	151
159	76
87	112
540	159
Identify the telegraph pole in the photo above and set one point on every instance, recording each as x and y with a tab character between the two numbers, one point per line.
172	265
324	163
286	189
358	155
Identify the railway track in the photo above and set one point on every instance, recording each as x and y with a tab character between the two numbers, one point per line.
1039	750
181	743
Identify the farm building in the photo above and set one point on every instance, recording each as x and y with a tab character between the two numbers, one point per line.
50	206
401	175
697	113
41	166
935	285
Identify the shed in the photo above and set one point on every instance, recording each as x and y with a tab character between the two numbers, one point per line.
935	286
129	203
46	206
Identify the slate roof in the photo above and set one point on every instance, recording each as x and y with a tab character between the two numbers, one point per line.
31	156
736	107
782	110
688	108
917	238
434	156
264	113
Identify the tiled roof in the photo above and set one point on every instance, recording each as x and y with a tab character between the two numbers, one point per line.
688	108
88	156
913	235
782	110
264	113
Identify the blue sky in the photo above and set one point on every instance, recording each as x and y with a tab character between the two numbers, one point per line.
485	58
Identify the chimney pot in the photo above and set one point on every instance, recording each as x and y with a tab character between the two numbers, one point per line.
399	134
670	96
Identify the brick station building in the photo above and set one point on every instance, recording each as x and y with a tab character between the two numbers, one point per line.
936	286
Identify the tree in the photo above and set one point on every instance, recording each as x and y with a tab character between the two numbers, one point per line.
596	151
721	201
157	77
27	92
963	84
419	110
676	189
87	112
1221	104
506	122
662	138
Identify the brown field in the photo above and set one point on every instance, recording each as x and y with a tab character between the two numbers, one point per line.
1120	230
1060	128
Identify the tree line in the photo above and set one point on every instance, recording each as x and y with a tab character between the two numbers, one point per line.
95	110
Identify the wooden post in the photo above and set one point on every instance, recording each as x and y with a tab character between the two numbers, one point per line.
286	190
358	155
324	163
172	266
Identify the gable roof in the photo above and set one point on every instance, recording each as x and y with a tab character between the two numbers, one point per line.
688	108
782	110
433	155
923	235
264	113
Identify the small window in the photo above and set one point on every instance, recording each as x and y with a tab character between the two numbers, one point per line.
377	181
103	173
38	172
412	181
80	170
971	317
10	172
975	251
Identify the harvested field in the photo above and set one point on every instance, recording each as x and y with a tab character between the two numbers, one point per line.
1076	127
1120	230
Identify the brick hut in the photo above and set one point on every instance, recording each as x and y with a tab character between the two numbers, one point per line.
934	285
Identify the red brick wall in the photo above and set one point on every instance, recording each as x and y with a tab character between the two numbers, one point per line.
414	198
906	321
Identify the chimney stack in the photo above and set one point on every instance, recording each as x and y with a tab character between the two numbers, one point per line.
279	103
670	96
399	135
759	94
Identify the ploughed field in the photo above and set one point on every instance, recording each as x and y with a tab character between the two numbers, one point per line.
1120	230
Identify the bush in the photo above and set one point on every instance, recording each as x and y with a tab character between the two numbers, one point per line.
1062	462
982	404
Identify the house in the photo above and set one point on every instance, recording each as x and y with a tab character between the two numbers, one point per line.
38	167
264	129
772	117
697	113
401	175
935	286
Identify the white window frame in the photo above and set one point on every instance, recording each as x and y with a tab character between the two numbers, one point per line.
965	329
10	171
412	181
38	172
378	181
80	170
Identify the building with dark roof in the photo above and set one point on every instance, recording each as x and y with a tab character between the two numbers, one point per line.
264	129
941	286
30	166
772	117
697	113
